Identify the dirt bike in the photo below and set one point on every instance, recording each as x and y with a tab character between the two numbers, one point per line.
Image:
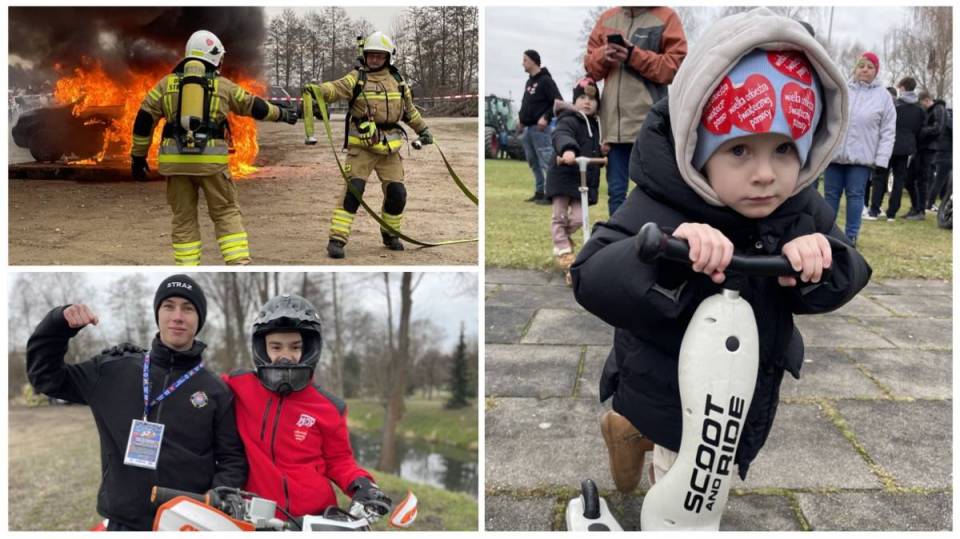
717	372
232	509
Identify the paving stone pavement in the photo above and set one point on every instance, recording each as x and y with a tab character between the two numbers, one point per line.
861	442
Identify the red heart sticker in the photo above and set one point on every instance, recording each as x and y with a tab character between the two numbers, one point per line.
754	105
798	104
716	116
209	42
793	64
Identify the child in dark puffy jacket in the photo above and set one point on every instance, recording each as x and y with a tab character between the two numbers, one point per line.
577	135
727	162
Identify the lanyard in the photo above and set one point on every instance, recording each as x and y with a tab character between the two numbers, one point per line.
166	393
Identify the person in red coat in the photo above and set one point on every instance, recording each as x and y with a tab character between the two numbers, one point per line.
295	433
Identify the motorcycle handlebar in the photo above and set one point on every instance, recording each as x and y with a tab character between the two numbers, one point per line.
653	243
161	495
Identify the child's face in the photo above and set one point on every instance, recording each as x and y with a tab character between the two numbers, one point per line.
754	174
586	105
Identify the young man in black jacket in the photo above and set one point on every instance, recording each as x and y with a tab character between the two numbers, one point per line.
910	119
934	158
729	167
163	419
536	110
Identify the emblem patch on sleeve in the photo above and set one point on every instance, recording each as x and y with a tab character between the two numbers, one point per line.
199	399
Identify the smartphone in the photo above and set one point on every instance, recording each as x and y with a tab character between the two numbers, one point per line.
616	39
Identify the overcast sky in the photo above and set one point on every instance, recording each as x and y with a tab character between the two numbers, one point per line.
554	32
444	298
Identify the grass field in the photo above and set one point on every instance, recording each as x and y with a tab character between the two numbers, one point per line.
54	473
518	233
425	420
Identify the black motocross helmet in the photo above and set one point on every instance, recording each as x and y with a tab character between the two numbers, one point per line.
287	312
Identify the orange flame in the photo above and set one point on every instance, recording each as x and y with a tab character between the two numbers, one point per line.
91	87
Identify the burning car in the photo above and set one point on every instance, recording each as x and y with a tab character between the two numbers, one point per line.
93	116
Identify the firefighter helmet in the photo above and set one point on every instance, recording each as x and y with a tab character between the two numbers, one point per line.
206	46
379	42
287	312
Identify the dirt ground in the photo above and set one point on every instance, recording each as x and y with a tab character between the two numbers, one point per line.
286	208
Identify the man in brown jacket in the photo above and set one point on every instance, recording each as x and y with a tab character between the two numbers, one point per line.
636	51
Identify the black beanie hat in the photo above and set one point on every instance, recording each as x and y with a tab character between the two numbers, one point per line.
533	55
586	86
181	286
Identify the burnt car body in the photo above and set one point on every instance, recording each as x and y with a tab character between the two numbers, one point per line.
53	133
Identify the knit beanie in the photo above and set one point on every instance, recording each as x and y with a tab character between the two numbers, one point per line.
588	87
765	92
873	59
533	55
184	287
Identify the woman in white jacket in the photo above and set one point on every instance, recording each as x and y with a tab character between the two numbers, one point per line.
867	144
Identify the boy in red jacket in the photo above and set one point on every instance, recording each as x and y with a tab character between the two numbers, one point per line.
295	433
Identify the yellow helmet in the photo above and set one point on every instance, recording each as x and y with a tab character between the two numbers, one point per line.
379	42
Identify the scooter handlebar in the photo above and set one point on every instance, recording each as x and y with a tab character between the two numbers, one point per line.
598	161
653	243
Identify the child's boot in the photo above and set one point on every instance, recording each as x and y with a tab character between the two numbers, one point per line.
626	448
565	258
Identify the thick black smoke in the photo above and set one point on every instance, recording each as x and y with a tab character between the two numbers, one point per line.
129	38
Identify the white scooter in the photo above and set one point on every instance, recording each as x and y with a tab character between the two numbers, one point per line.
232	509
717	373
582	163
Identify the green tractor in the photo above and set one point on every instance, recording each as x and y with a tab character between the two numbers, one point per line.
500	133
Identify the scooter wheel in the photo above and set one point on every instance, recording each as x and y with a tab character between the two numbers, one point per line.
591	499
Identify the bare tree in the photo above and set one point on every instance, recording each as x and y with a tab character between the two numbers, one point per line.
129	301
397	369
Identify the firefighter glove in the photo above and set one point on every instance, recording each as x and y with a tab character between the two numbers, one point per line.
139	167
367	131
369	495
425	137
288	115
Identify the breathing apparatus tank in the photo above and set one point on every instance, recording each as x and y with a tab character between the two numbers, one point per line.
192	93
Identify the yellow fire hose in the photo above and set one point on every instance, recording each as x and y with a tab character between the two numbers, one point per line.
308	125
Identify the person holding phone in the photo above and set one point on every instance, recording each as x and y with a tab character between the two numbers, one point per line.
636	52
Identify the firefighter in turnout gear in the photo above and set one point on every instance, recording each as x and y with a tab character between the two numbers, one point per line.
195	100
379	100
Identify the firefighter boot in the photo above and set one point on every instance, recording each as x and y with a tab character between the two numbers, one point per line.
626	448
335	249
391	242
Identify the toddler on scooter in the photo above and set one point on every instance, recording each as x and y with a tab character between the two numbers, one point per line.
727	162
577	135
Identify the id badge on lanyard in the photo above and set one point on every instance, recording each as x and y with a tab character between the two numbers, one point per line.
143	446
146	437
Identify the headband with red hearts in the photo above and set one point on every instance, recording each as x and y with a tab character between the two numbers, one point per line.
765	92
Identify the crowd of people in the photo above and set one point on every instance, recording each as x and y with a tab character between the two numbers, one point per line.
896	138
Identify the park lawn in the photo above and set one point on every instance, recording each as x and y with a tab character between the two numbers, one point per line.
424	419
54	473
518	233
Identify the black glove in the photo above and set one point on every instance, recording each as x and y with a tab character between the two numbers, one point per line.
368	494
139	168
425	137
288	115
230	503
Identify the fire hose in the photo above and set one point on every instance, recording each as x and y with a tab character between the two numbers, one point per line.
321	104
